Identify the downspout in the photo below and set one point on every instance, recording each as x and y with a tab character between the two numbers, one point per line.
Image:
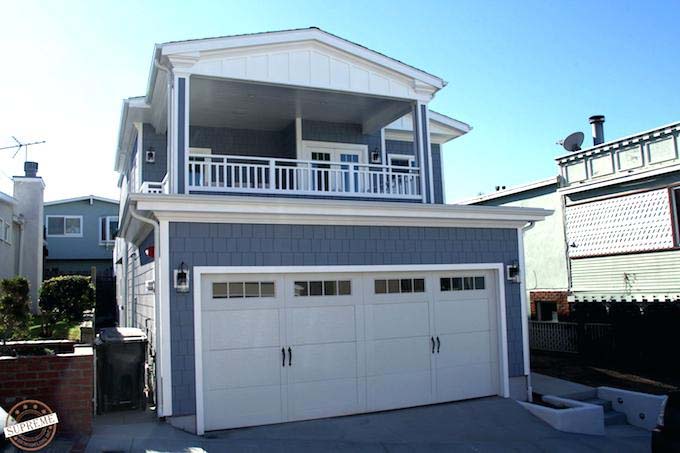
156	284
524	312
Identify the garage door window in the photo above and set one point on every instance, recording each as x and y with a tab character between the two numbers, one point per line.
323	288
235	290
396	286
461	283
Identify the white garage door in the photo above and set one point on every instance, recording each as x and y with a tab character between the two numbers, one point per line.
300	346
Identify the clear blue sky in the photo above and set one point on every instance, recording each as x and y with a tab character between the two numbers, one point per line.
523	74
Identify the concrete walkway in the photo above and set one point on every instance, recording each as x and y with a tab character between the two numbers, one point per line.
487	425
548	385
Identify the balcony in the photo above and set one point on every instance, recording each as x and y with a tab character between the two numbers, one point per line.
271	176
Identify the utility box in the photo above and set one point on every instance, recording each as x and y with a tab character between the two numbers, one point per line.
121	358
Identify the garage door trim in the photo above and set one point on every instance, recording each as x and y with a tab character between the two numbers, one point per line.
199	271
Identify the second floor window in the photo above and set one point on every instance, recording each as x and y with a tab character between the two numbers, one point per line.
108	227
64	225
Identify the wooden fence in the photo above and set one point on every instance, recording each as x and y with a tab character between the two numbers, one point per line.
569	337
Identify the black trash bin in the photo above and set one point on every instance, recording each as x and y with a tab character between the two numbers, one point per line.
121	357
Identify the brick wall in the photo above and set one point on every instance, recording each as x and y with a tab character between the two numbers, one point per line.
559	297
64	382
213	244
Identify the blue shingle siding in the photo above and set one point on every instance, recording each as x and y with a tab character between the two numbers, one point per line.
212	244
323	131
245	142
148	241
399	147
155	171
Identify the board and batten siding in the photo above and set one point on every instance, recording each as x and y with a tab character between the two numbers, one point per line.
641	275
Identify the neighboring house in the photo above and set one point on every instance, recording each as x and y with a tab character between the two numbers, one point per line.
21	231
80	235
284	241
614	234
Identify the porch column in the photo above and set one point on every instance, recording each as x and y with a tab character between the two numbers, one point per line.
180	132
422	150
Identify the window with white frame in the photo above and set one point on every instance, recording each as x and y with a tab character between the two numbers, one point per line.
401	160
64	225
5	231
108	227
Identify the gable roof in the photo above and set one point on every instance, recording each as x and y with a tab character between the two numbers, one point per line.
83	198
7	198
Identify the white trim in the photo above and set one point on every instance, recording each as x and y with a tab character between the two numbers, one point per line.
441	172
428	148
83	198
275	209
408	157
419	143
139	156
360	149
65	235
511	191
107	240
450	122
199	271
187	137
617	178
165	350
195	47
383	147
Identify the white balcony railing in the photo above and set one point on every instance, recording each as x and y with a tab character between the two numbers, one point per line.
155	187
245	174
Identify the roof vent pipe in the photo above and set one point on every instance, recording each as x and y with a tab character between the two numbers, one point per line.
598	129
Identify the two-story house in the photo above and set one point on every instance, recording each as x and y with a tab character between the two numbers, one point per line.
21	230
614	234
283	237
80	235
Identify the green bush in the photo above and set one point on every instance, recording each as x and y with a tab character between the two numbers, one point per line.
65	299
14	314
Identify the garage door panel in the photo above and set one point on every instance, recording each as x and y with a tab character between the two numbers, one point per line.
466	381
323	362
402	355
464	349
396	320
245	368
465	315
321	324
243	407
242	329
399	390
323	398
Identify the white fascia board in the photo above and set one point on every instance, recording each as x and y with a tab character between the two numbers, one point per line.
460	126
399	130
85	197
308	34
511	191
134	110
227	208
618	179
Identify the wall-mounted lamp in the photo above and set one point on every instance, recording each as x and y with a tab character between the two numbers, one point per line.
150	155
182	278
512	272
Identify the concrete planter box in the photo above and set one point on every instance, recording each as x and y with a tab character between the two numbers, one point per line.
572	416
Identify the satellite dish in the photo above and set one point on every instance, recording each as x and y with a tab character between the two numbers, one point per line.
573	142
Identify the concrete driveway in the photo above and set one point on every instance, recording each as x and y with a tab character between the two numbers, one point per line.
483	425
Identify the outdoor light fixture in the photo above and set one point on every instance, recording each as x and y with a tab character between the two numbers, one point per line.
151	155
512	271
182	278
375	156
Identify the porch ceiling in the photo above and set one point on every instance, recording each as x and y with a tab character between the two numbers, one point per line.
226	103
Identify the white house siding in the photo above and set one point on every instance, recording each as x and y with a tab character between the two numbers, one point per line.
140	309
642	275
7	250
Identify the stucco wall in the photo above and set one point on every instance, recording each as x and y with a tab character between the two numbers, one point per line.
7	251
544	243
203	244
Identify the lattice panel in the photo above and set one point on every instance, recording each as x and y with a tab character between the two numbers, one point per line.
631	223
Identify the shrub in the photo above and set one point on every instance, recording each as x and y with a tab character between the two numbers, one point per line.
65	298
14	313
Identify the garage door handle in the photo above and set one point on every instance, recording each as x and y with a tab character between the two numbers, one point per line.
432	340
439	343
290	357
283	354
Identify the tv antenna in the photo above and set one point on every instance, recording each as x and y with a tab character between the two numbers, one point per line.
573	142
20	145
